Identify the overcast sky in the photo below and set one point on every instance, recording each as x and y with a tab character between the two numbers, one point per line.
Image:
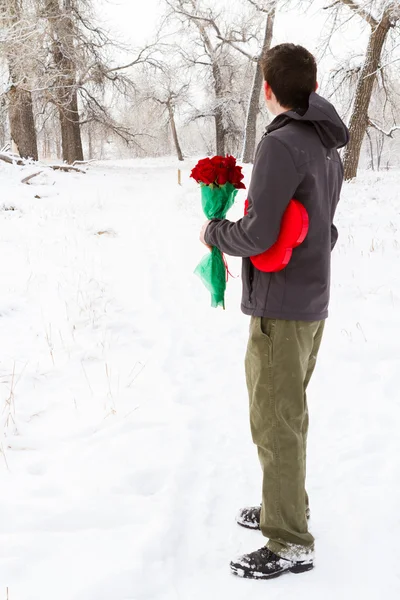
135	21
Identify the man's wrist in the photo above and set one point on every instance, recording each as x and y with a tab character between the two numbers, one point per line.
208	232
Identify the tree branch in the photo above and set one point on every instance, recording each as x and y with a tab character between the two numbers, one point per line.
66	168
140	59
194	17
387	133
262	9
11	159
358	10
332	5
31	176
233	45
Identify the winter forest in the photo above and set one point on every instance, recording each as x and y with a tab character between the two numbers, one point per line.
73	91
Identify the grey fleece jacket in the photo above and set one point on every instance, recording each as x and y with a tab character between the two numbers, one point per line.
296	158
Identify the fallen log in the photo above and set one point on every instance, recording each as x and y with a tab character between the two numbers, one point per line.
31	176
66	168
12	159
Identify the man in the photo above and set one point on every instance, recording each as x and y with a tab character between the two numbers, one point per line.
296	158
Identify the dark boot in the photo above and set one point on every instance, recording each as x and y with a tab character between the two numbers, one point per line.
264	564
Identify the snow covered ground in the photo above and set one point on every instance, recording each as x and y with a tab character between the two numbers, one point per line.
126	450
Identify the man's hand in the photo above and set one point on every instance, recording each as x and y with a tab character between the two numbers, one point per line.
202	233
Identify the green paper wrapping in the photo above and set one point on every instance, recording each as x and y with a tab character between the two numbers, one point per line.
216	201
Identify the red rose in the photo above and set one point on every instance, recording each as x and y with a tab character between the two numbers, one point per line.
208	175
236	178
218	161
220	165
230	162
195	173
218	170
204	162
222	176
204	172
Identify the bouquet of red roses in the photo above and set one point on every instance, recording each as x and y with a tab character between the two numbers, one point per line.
220	179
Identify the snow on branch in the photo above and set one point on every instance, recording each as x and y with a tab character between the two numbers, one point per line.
67	168
233	44
387	133
84	162
31	176
359	10
12	159
196	17
145	56
265	9
332	5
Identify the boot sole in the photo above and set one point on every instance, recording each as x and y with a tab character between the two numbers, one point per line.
297	569
254	527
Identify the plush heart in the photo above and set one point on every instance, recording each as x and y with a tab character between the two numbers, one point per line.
294	229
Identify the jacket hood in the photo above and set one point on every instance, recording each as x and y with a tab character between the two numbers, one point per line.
324	118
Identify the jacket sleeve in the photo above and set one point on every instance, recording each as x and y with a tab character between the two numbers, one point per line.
273	184
334	236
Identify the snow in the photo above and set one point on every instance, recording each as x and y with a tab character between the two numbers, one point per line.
126	447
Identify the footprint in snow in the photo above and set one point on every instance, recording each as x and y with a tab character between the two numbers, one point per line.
146	483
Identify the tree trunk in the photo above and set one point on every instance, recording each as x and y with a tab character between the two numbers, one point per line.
359	118
70	127
46	145
174	131
22	122
250	134
66	97
219	110
380	143
371	151
218	90
90	142
219	131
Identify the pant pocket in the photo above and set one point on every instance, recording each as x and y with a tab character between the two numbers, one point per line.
267	328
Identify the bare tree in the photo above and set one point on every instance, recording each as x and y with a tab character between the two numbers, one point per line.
170	94
77	74
250	135
62	31
389	15
211	54
268	8
16	47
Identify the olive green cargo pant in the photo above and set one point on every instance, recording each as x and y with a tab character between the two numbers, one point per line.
280	361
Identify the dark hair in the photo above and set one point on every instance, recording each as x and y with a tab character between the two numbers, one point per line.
291	71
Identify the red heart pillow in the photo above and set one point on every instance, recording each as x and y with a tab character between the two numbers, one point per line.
294	229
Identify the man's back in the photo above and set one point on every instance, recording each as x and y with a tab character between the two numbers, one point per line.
301	291
297	158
